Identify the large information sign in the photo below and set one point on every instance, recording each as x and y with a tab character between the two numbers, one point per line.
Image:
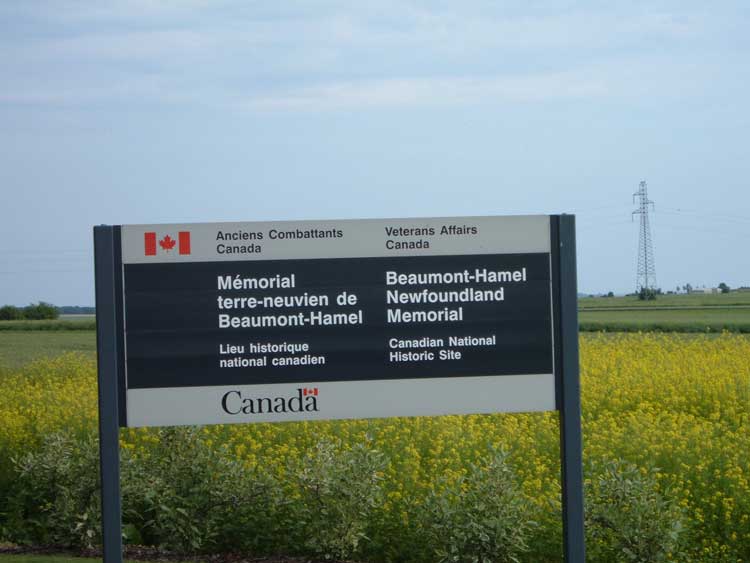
276	321
243	322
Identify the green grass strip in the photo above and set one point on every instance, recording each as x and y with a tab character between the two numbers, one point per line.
696	327
87	324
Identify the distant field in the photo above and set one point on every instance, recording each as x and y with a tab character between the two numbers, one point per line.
18	347
77	317
666	320
82	322
667	313
732	299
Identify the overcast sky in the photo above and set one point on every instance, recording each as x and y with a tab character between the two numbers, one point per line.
159	111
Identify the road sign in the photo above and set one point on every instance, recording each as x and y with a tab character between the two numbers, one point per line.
248	322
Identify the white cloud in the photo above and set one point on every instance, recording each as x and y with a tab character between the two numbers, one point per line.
342	56
430	92
138	45
414	34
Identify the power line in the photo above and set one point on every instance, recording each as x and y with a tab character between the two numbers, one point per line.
693	229
600	208
723	217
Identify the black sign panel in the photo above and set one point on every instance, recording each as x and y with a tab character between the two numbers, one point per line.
341	319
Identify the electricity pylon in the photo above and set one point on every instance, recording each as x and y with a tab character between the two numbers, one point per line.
646	276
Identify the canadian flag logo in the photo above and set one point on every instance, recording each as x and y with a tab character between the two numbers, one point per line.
166	243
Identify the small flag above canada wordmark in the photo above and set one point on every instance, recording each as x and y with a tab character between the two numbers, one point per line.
166	243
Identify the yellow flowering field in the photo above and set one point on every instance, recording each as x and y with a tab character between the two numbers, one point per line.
674	402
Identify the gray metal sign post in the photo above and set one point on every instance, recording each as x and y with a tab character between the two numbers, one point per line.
570	398
106	345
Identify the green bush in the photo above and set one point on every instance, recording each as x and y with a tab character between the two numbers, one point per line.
56	498
10	313
480	518
338	492
648	294
183	496
628	519
189	497
40	311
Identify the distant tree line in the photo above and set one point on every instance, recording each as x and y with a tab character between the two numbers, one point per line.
687	288
33	312
648	294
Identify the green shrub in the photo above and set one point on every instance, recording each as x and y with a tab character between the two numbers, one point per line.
189	496
56	498
186	495
647	294
628	519
183	496
40	311
338	490
10	313
480	518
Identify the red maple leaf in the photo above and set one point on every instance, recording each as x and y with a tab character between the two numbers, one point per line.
167	243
